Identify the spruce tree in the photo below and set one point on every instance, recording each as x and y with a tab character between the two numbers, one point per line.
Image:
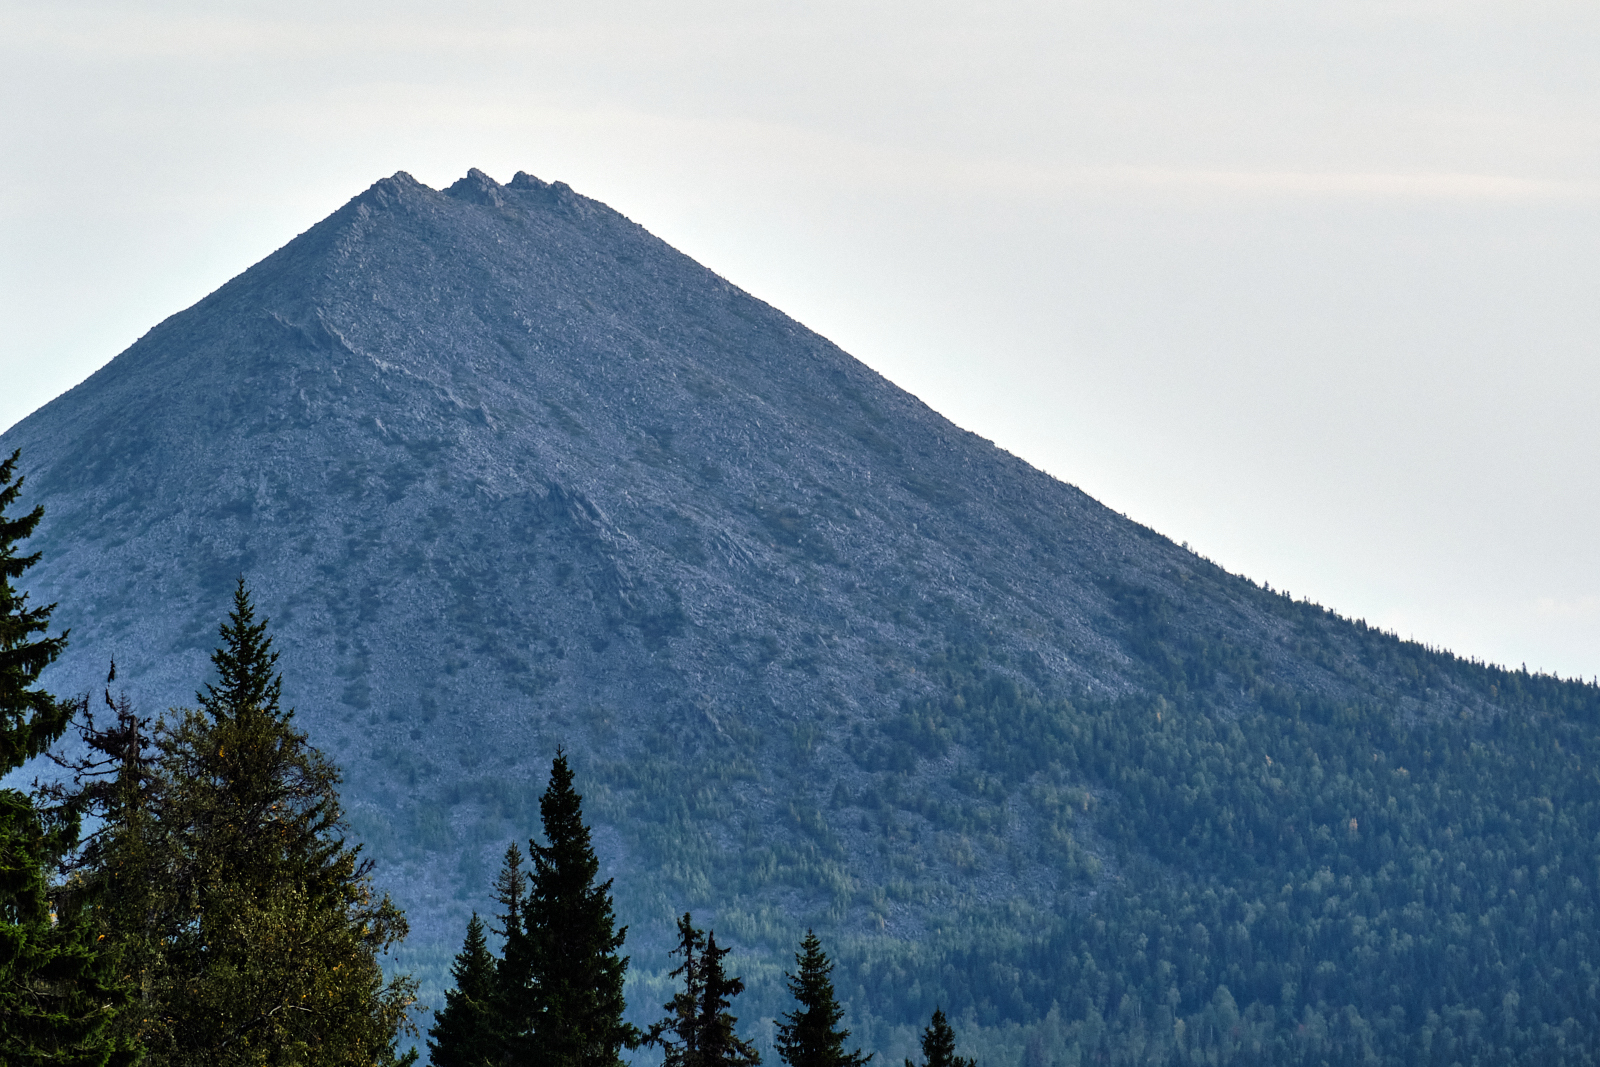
698	1030
510	885
463	1032
678	1035
269	926
719	1045
58	993
810	1035
939	1045
510	1015
31	720
564	990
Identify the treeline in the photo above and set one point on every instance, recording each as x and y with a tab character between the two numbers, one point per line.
1219	869
553	997
1288	878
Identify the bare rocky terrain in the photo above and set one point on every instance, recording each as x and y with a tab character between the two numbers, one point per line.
508	472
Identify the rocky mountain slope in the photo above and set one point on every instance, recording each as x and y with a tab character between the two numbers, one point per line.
507	473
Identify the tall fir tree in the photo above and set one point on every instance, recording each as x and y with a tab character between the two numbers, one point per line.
508	1010
939	1045
58	992
267	930
720	1046
699	1029
463	1031
678	1034
810	1036
564	998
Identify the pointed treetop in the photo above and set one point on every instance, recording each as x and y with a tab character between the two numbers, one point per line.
568	855
509	886
939	1045
698	1030
246	681
810	1036
464	1032
473	969
719	1045
677	1035
562	975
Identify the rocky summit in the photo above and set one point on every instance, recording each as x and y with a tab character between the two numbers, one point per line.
508	473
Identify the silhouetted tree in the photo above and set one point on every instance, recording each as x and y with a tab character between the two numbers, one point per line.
810	1035
463	1032
563	973
678	1035
939	1045
698	1030
111	870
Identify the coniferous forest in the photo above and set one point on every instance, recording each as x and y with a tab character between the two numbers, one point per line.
1249	872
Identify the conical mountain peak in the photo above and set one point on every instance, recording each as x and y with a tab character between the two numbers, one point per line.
506	472
626	475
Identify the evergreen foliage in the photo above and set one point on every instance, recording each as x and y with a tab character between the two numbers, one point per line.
1297	879
31	720
1312	875
810	1036
554	997
108	871
699	1030
109	781
58	992
575	975
678	1034
939	1045
509	1011
463	1031
259	938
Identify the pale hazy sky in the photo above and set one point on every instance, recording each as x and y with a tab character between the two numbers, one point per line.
1312	286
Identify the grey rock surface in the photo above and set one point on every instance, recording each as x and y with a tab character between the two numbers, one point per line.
508	472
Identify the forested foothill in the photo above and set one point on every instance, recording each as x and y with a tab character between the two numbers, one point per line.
1247	873
515	477
1252	875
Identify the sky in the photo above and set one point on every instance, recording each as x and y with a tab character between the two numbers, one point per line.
1312	287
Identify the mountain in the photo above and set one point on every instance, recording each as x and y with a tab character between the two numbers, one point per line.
508	473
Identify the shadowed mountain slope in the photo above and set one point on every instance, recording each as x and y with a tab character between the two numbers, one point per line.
508	472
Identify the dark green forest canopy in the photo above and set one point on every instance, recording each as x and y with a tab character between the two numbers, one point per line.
1244	868
1215	864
